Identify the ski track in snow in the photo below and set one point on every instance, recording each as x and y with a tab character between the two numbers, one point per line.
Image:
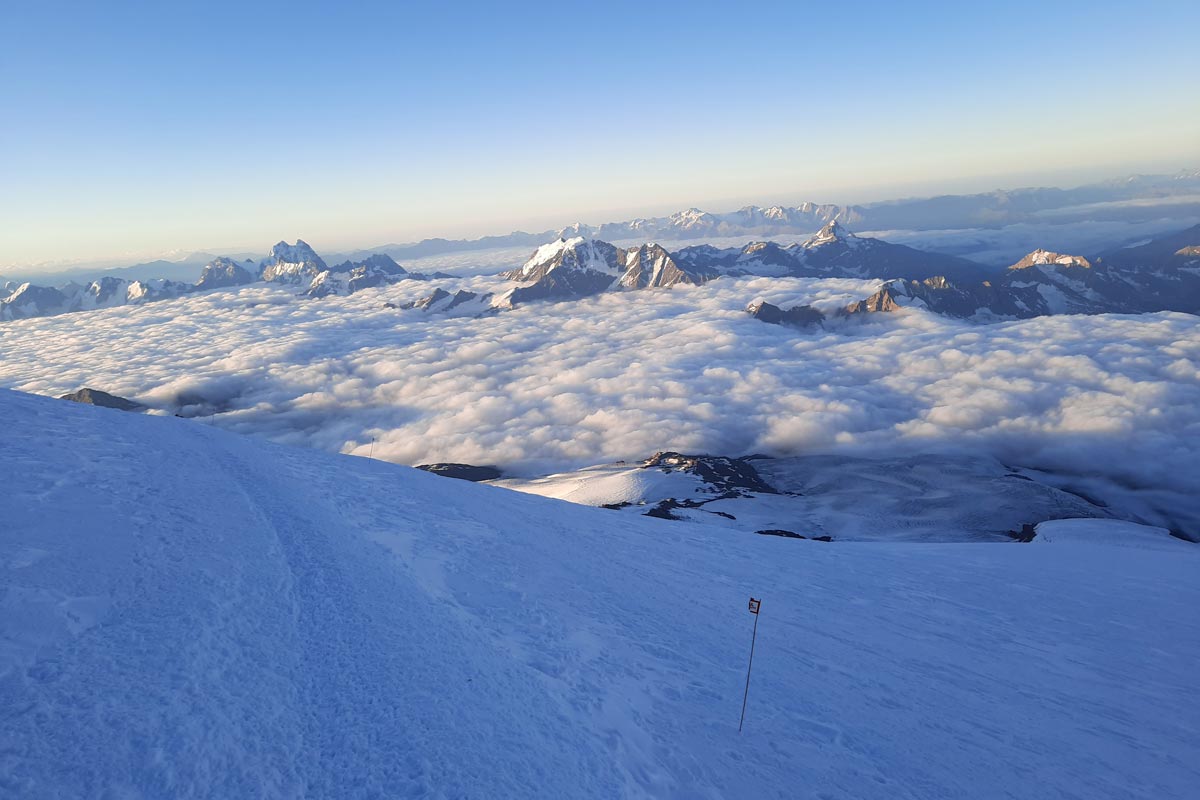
188	613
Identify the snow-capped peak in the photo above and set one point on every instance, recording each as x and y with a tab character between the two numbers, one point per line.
297	253
576	253
553	249
1042	257
832	232
292	262
690	218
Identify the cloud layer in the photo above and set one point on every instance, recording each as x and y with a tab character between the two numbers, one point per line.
557	386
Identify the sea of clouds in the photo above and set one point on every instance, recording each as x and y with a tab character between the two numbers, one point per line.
1111	400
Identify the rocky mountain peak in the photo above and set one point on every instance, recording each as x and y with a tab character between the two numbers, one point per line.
292	263
1041	257
574	254
221	272
883	301
832	232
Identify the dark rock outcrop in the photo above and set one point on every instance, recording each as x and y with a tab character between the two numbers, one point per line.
95	397
798	316
729	476
464	472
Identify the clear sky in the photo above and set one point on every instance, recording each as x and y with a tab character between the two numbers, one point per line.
130	128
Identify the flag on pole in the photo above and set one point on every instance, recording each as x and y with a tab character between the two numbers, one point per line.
754	605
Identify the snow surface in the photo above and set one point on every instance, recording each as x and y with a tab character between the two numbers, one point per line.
190	613
610	484
1108	532
934	498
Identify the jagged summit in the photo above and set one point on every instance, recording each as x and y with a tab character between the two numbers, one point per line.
222	272
832	232
292	263
574	254
578	267
1042	257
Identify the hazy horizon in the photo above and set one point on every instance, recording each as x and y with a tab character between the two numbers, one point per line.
964	186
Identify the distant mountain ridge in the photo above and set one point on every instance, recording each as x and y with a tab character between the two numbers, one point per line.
1177	193
1129	199
560	270
288	264
1161	275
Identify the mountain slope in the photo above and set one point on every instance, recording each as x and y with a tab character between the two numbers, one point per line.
183	616
949	498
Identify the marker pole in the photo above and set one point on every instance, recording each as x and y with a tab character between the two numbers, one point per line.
746	695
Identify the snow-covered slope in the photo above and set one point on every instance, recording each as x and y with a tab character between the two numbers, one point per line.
182	615
930	497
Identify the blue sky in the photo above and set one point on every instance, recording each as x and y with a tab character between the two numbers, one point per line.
132	128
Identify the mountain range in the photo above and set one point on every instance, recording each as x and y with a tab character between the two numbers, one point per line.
287	264
1128	199
1160	274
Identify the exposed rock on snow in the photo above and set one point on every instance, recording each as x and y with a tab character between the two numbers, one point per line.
1043	257
1157	276
924	498
465	472
95	397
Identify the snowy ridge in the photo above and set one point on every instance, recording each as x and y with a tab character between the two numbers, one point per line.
1040	257
182	616
927	498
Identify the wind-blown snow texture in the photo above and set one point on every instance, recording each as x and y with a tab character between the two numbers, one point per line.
189	613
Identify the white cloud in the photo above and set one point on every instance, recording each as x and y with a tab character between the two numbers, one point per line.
557	386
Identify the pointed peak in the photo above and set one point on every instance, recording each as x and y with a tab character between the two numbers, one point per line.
832	232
